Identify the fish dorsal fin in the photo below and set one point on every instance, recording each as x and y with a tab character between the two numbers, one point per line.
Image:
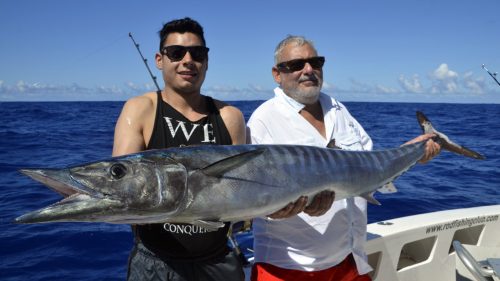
219	168
332	144
369	197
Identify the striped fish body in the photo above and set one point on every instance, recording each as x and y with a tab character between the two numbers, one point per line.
212	183
205	185
283	173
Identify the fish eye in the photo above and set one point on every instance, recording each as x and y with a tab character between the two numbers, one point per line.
117	171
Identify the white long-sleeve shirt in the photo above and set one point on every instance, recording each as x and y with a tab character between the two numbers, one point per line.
303	242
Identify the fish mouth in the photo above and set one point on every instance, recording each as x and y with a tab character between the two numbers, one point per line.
79	203
59	180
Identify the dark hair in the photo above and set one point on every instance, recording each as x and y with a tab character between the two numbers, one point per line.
181	26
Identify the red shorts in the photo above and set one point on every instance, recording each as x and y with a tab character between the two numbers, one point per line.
344	271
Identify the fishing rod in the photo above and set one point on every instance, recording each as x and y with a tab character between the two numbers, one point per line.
493	75
144	60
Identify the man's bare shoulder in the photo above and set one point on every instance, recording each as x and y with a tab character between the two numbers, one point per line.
141	104
234	120
144	101
227	110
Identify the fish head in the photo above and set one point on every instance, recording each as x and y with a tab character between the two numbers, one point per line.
138	180
118	190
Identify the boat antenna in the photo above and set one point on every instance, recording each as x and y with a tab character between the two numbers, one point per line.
144	60
493	75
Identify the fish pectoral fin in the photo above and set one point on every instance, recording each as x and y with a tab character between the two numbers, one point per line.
388	188
219	168
209	225
369	197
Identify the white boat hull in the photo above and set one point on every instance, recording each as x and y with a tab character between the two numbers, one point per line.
420	247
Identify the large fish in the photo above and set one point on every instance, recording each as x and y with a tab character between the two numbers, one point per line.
207	185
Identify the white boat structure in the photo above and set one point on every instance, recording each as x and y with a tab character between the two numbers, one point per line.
452	245
461	244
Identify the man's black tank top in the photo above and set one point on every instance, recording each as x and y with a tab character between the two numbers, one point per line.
185	242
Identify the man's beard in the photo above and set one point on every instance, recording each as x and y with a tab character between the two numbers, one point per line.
308	95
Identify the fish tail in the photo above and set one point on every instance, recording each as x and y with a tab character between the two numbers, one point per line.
444	141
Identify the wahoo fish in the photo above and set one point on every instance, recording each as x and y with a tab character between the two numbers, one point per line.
210	184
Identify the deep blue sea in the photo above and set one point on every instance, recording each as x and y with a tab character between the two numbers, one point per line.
63	133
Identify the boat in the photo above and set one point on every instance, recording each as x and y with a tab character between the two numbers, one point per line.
451	245
427	246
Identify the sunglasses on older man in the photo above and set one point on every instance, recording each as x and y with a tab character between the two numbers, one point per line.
177	52
298	64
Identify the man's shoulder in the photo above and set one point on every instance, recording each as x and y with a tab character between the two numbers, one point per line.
333	102
143	102
141	107
234	121
269	107
226	109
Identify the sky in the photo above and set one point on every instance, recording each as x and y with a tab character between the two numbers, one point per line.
376	51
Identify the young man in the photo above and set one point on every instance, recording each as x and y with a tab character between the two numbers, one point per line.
176	116
325	241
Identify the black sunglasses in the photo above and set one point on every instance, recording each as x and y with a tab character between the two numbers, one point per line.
177	52
298	64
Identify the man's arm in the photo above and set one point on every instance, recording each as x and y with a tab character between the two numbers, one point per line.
432	148
129	129
235	123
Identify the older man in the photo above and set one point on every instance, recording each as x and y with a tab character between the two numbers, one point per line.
321	241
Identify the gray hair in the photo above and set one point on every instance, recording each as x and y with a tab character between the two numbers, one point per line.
290	39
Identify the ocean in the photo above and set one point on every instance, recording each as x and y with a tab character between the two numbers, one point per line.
56	134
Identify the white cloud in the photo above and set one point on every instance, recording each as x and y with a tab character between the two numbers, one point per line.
139	89
444	80
444	73
133	86
361	87
258	88
24	91
441	81
386	90
474	85
232	93
411	85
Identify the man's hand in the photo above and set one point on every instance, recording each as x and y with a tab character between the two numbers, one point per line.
319	206
291	209
432	148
